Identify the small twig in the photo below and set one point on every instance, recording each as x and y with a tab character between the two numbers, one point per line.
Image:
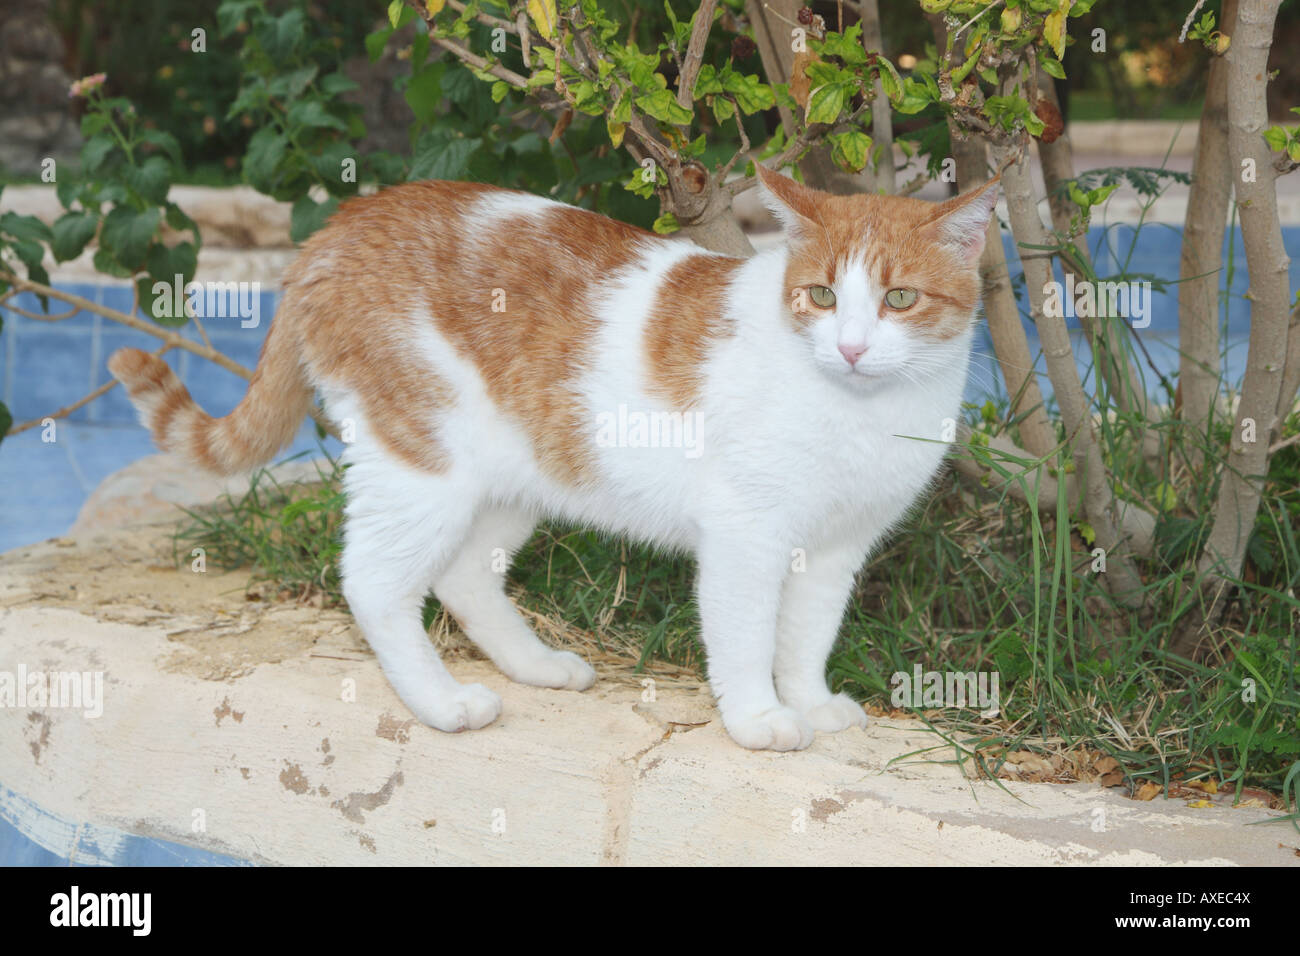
1187	24
1284	443
67	410
202	331
476	61
173	339
721	177
991	6
695	53
34	315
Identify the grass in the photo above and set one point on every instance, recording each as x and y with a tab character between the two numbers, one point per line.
972	583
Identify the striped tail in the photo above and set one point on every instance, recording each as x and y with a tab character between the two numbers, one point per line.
264	421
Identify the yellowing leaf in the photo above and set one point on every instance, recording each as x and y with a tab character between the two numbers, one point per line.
615	132
1201	804
542	13
434	6
1054	28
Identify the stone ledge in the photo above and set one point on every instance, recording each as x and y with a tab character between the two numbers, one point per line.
235	708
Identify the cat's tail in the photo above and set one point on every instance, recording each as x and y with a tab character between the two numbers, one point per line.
262	423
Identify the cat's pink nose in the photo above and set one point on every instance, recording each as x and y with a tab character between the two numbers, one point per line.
852	353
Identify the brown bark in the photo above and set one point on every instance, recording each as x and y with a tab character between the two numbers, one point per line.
1202	254
882	118
1010	344
1099	502
1267	264
773	21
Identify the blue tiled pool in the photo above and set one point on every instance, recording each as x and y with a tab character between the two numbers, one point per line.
47	365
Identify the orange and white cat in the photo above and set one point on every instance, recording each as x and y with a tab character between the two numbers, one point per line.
481	343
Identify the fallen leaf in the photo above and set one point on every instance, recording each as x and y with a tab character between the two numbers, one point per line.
1147	791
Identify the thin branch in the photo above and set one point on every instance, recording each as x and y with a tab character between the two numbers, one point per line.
721	177
476	61
700	28
1187	24
172	339
67	410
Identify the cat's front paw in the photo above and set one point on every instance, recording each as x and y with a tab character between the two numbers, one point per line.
562	670
468	707
778	728
839	712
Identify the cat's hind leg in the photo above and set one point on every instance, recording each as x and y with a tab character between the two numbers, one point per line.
472	588
401	531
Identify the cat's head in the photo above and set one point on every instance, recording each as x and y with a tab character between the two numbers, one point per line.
881	287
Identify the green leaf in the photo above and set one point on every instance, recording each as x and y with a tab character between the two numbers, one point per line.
290	85
443	157
127	234
666	224
336	83
24	227
424	92
663	106
94	152
851	149
265	151
375	43
151	179
1276	138
71	232
1051	66
308	216
312	114
827	102
105	263
6	421
164	141
395	13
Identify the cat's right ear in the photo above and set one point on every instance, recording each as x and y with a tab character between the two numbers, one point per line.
794	206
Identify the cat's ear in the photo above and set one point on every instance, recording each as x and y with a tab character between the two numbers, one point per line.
794	206
962	223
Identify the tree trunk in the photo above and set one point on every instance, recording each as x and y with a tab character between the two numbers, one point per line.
1099	501
882	119
773	21
722	234
1267	264
1111	358
1202	256
1009	342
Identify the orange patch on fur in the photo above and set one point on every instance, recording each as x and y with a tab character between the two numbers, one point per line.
685	321
895	237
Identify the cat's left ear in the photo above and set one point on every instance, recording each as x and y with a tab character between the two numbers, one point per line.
962	223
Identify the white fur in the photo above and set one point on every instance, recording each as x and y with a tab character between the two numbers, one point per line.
806	463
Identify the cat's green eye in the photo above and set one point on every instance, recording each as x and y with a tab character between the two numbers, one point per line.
900	298
821	296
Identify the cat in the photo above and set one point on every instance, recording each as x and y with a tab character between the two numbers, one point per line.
499	355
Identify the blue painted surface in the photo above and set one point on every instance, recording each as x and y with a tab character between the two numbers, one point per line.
32	836
1154	252
47	365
